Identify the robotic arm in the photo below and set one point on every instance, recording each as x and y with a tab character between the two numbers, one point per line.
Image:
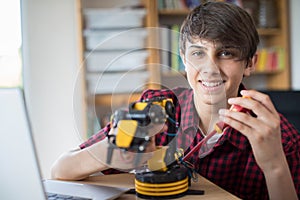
133	129
133	126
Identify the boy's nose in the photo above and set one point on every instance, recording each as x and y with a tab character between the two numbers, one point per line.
209	66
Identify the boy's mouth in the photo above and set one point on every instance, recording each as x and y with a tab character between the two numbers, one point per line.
212	84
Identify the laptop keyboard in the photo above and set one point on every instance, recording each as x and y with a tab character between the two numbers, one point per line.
52	196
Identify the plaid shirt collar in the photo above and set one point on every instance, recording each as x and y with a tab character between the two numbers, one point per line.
190	120
235	138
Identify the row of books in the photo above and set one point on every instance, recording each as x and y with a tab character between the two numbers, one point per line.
115	64
187	4
169	53
177	4
270	59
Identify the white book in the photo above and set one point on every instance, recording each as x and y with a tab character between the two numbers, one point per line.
129	39
124	82
165	48
113	61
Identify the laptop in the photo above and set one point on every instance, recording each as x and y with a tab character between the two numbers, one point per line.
19	169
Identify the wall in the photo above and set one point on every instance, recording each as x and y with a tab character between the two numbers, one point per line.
295	42
50	60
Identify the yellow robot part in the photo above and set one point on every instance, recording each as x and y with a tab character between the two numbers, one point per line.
140	105
126	133
157	163
163	102
162	189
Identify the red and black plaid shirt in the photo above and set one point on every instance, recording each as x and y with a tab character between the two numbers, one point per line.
231	163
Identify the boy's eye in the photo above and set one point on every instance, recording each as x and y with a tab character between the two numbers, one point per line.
198	53
226	54
229	53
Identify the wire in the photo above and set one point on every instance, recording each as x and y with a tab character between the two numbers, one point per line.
198	146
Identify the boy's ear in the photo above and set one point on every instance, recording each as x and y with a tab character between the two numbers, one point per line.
251	65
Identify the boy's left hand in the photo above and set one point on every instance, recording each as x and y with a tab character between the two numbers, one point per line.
262	131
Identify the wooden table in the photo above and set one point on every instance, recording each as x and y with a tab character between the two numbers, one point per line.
211	191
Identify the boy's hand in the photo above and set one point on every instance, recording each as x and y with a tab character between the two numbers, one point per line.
125	159
262	131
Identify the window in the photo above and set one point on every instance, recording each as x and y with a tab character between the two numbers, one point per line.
10	40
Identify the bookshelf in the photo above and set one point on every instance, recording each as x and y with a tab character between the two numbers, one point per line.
109	56
104	104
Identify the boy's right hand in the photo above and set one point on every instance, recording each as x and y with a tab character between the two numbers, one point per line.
122	159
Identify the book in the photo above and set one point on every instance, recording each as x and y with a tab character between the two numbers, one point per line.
176	61
270	59
262	59
165	48
116	83
175	47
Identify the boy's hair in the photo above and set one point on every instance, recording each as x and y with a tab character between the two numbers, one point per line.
223	23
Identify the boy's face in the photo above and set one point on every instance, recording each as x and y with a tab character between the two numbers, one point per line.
214	71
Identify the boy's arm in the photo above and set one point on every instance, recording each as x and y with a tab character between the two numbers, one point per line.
279	181
80	163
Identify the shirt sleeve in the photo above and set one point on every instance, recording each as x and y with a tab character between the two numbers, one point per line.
291	145
96	137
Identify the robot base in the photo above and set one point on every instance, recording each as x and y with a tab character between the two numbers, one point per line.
173	183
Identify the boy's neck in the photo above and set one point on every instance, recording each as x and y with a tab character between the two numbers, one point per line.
208	115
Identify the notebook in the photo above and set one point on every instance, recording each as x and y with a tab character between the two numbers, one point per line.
19	169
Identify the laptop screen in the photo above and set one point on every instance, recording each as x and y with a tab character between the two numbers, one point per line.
20	176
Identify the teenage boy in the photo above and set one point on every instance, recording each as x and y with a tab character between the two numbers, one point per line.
257	156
